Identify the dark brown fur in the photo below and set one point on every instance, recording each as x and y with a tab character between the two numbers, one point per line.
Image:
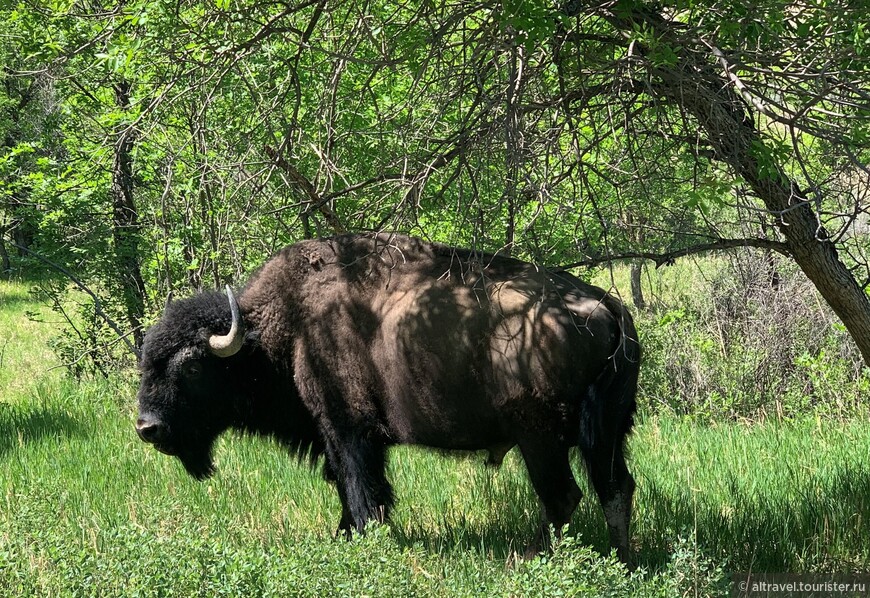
359	342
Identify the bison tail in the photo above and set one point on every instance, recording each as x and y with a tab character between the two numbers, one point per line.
607	412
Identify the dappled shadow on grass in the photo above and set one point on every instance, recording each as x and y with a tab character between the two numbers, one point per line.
495	513
13	299
821	532
821	526
23	426
499	538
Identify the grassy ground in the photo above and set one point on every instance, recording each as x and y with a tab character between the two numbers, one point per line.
87	509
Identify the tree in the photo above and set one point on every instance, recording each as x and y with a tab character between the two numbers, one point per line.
729	98
570	134
125	220
739	88
27	124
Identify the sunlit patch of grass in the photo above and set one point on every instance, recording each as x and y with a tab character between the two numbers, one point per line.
24	353
791	496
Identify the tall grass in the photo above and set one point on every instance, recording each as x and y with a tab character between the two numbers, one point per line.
87	509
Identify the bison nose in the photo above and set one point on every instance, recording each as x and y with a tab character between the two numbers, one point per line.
150	430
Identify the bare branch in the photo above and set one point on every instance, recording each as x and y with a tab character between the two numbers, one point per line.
316	201
667	259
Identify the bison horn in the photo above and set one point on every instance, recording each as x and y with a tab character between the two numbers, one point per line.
229	344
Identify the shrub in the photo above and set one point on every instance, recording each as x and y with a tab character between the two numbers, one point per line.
746	336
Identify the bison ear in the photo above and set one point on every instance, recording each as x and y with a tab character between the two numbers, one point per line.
229	344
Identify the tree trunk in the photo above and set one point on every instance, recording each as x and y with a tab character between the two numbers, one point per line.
21	226
636	288
5	264
125	225
700	90
736	139
194	275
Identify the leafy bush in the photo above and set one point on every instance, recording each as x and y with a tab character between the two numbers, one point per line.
129	562
85	344
574	570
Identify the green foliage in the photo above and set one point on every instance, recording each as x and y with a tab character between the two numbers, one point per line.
86	345
573	569
690	572
534	21
196	562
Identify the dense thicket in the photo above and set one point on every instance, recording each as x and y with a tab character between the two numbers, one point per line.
156	146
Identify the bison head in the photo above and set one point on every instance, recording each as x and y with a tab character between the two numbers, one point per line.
188	393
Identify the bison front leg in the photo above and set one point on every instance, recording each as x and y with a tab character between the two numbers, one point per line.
360	476
551	476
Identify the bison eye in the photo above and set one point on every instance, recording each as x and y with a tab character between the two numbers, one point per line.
192	369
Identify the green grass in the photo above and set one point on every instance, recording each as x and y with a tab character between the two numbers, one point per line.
86	509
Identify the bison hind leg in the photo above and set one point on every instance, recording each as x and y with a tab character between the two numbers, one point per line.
614	485
551	476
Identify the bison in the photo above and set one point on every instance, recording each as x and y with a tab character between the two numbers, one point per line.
345	346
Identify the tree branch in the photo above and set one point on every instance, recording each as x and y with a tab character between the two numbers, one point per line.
464	139
317	202
662	259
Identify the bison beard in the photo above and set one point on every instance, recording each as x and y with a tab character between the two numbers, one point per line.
194	453
197	462
345	346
